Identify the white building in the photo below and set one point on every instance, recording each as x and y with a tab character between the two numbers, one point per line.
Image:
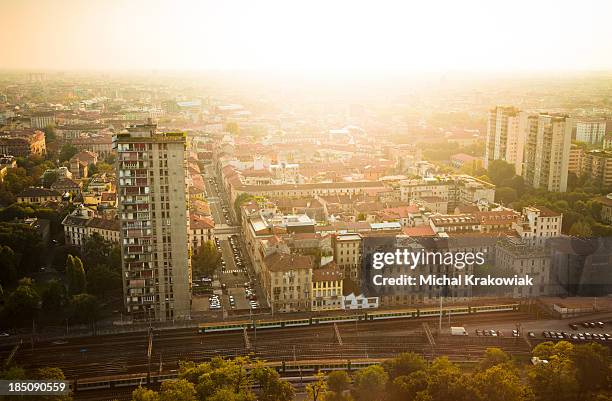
537	224
505	136
353	302
547	150
591	131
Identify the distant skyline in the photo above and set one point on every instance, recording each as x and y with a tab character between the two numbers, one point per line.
369	36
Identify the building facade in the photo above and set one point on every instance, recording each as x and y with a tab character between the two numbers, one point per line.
505	136
591	131
152	208
547	150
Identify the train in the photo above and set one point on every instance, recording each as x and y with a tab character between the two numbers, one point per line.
359	317
285	368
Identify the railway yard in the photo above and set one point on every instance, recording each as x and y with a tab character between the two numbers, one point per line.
117	357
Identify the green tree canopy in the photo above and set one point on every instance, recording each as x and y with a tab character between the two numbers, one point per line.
581	229
494	357
404	364
53	296
8	270
144	394
317	390
206	260
370	384
272	388
500	172
75	275
85	308
177	390
101	281
67	151
23	303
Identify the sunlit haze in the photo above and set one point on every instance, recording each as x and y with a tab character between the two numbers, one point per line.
306	35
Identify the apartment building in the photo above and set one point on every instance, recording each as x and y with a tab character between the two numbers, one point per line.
547	149
606	208
327	288
575	159
537	224
152	208
347	254
456	189
597	165
287	279
505	138
201	230
514	256
591	131
38	195
42	119
23	143
82	223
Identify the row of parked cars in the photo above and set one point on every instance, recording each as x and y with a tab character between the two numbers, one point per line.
587	325
236	252
249	293
495	333
576	336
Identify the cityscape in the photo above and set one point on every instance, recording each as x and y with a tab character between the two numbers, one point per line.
272	217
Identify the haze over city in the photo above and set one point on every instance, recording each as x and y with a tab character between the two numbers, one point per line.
307	35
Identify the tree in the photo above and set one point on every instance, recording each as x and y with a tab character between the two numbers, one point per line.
13	373
370	384
219	376
499	383
16	180
592	363
85	308
144	394
406	388
8	269
75	275
241	200
505	195
500	172
226	394
581	229
554	381
101	280
446	382
53	296
206	260
67	151
404	364
177	390
51	374
99	251
317	390
49	178
22	304
494	357
25	242
272	388
338	381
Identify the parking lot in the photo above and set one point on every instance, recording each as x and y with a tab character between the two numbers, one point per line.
571	329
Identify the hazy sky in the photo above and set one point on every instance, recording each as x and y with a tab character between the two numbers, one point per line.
312	35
